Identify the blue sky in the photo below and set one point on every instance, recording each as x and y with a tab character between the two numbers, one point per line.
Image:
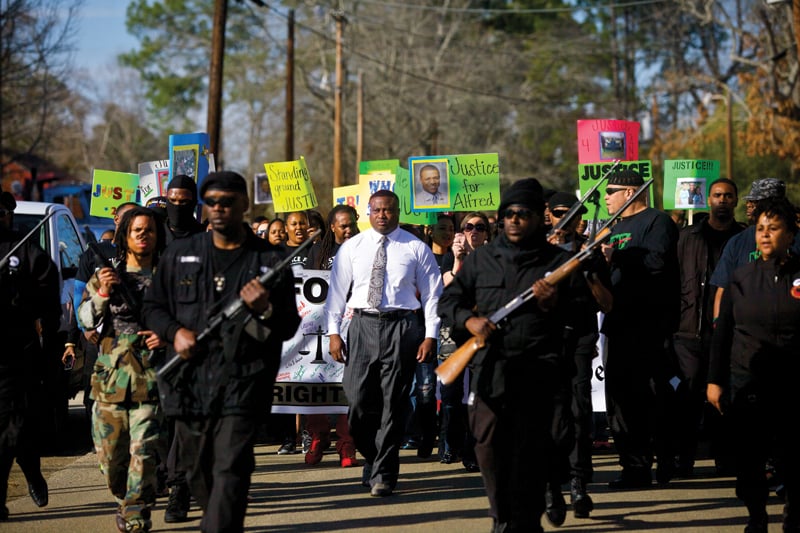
101	33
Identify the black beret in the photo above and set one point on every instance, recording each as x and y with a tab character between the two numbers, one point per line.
182	181
8	201
225	180
526	192
626	178
565	199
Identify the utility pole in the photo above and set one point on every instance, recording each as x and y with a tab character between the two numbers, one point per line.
337	102
359	122
729	134
290	88
214	119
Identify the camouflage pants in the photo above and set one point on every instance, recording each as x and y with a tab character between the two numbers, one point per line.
129	440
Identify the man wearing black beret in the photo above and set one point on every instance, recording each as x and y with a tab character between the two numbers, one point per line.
642	254
223	388
519	375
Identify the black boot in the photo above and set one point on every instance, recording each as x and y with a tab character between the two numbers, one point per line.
582	503
555	506
178	504
758	520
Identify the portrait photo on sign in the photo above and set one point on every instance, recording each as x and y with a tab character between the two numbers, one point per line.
263	194
185	161
690	193
612	145
430	184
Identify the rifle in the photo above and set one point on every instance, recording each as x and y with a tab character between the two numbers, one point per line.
452	367
120	288
587	196
237	308
25	238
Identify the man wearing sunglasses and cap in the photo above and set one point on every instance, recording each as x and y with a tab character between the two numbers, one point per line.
520	373
642	254
223	388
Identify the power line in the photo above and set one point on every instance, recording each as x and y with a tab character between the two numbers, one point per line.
513	11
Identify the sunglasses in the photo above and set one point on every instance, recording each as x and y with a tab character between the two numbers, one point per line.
476	227
222	201
523	214
558	213
614	190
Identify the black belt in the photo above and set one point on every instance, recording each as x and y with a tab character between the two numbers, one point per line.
385	315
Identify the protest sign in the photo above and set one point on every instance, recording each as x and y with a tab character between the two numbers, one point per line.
291	186
110	189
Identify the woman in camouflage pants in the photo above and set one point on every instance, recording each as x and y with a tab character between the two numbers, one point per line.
127	422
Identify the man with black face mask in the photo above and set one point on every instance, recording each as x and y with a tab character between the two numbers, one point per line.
181	207
180	224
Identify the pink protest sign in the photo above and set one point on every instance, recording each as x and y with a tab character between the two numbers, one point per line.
607	140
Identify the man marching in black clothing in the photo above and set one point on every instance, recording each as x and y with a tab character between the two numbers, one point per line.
642	253
518	376
224	386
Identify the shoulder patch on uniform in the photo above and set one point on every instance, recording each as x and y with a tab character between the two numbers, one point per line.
189	259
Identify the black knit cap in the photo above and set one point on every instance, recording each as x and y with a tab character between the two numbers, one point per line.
526	192
626	178
565	199
182	181
225	180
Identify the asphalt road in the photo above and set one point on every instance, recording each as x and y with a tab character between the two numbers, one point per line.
289	496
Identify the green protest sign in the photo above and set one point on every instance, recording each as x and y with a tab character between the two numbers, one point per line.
590	173
464	182
686	183
110	189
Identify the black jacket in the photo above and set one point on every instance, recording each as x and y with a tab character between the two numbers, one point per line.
232	373
489	278
757	335
697	263
29	291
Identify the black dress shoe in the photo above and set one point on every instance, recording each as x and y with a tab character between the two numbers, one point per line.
582	503
38	492
471	466
555	506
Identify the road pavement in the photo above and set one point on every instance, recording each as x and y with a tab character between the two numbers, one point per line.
289	496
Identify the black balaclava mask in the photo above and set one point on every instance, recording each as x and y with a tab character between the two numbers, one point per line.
182	216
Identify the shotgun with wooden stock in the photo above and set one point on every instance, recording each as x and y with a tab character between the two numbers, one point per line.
452	367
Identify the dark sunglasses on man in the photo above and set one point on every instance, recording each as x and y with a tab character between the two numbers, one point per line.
523	214
222	201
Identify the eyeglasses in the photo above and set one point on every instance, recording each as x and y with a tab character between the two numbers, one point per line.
614	190
223	201
476	227
523	214
558	213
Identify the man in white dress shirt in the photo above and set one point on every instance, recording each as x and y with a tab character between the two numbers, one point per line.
387	337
